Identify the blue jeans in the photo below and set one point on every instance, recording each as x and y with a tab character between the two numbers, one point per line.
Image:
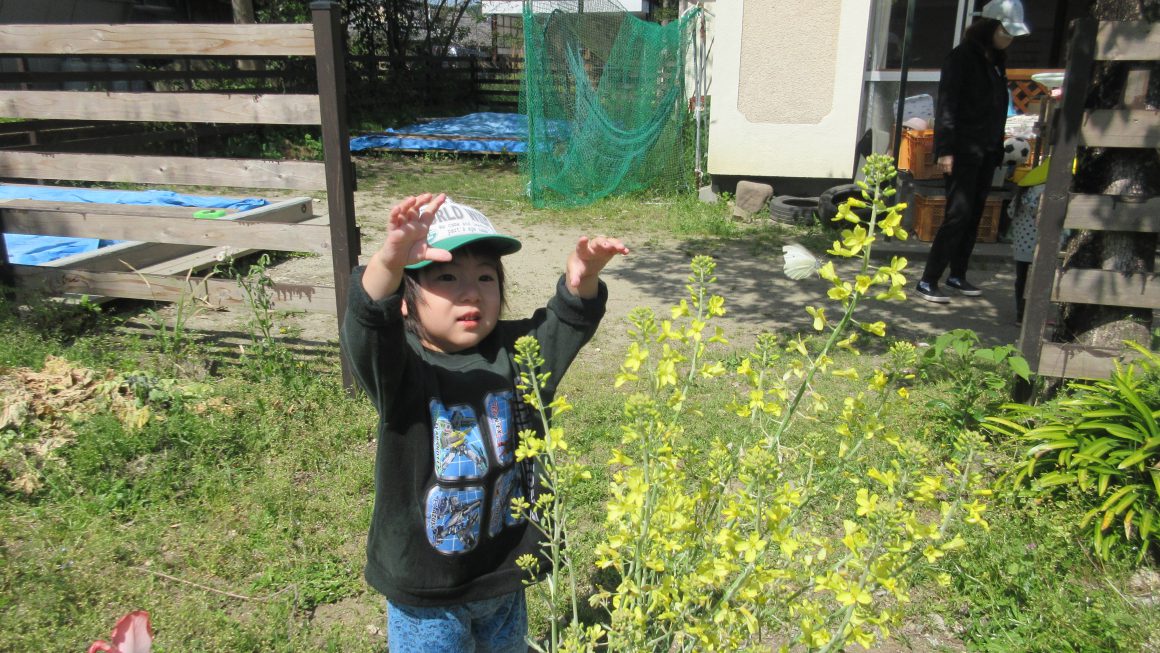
498	625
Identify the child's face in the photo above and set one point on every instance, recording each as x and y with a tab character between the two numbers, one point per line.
458	302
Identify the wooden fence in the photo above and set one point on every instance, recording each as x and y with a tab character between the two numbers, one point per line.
440	82
166	243
1132	126
434	83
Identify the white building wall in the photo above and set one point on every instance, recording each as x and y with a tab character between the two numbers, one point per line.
786	86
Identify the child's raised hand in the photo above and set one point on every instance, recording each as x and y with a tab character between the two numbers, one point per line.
407	227
586	262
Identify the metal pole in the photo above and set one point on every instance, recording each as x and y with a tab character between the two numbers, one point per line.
907	31
697	98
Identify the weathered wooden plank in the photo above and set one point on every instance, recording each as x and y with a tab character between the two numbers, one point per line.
94	209
161	258
173	230
1128	41
131	285
122	257
294	209
160	39
1121	128
1073	361
1053	205
176	227
162	107
1106	287
206	257
1109	213
165	170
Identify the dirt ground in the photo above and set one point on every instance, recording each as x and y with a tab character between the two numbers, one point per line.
759	296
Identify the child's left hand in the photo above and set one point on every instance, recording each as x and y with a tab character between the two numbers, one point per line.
586	262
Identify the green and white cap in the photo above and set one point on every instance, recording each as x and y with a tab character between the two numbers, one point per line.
456	225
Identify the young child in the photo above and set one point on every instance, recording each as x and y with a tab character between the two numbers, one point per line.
423	335
1024	212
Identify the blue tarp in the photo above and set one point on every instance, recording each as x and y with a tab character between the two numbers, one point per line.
475	132
31	250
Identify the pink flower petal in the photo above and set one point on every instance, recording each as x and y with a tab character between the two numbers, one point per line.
132	634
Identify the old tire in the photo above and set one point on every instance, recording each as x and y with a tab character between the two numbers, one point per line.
830	200
793	210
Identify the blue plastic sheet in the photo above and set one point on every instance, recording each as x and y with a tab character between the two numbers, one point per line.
32	250
505	133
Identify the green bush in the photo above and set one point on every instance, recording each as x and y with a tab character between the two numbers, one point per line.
979	378
1101	439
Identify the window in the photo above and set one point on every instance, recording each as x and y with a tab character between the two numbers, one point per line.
936	21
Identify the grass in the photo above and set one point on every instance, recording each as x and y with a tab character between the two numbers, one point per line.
237	514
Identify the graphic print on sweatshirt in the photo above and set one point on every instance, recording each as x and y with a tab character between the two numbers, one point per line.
453	516
460	453
498	407
508	486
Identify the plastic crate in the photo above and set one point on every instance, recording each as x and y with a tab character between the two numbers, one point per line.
929	212
917	154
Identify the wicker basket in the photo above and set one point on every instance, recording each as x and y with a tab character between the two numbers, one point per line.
929	213
917	154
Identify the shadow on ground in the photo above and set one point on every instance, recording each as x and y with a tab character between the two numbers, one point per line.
760	297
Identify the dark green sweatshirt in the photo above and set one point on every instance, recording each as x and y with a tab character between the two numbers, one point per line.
445	472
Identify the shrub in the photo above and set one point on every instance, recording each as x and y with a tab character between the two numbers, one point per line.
758	534
1101	439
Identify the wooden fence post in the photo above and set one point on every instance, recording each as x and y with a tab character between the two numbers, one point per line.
1053	206
330	56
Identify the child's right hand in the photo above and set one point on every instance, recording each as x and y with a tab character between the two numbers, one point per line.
407	226
406	243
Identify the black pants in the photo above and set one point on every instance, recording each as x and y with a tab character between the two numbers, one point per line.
1021	269
967	188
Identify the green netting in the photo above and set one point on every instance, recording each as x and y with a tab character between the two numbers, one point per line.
604	95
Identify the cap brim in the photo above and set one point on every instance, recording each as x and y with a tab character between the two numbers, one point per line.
1016	29
1037	175
503	245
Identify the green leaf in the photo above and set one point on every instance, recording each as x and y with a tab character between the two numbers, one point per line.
1053	479
1020	367
1104	412
988	355
1004	426
1121	431
1130	394
1052	446
1124	503
1097	448
1116	496
1047	431
1136	458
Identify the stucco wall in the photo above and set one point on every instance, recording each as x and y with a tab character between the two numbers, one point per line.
786	86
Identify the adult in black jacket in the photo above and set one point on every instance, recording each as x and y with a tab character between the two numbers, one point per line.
968	142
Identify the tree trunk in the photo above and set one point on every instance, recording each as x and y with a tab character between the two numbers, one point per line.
244	14
243	11
1131	174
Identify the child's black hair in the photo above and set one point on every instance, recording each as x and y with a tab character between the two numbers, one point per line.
481	249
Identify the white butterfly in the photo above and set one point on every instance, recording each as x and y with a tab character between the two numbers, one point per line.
799	262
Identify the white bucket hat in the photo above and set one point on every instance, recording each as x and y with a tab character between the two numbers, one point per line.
1008	12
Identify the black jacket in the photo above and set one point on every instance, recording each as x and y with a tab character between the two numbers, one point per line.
442	531
972	106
